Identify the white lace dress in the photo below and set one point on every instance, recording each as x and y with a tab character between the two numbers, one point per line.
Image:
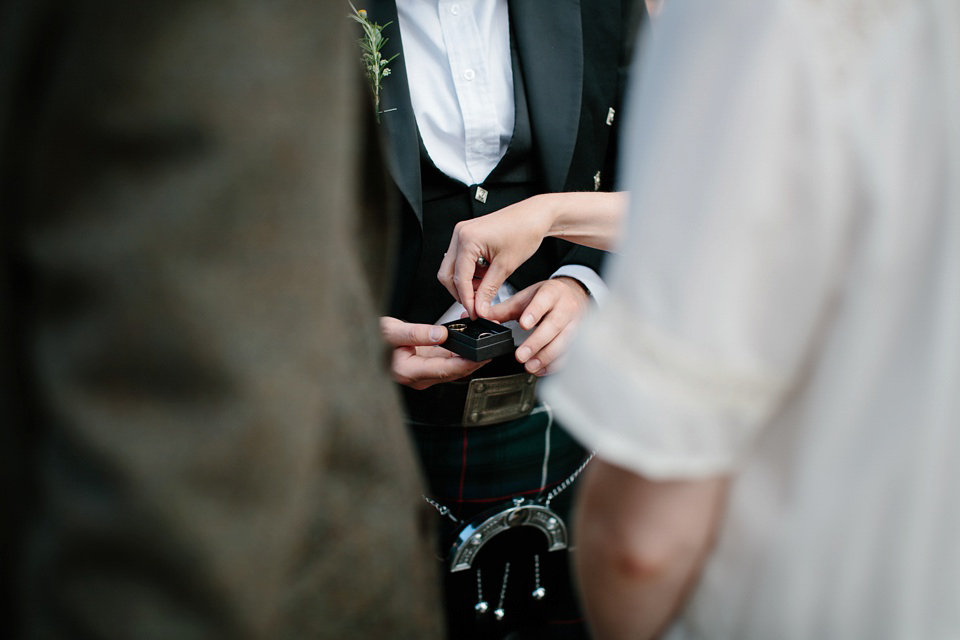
786	309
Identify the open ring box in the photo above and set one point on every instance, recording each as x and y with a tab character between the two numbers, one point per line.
478	339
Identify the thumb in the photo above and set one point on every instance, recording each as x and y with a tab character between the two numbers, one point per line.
510	309
398	333
487	290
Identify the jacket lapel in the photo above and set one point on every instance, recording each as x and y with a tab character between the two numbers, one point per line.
397	120
550	44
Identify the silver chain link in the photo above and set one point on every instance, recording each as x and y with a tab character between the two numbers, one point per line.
499	611
566	483
444	511
560	488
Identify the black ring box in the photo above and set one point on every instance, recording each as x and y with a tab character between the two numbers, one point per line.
478	339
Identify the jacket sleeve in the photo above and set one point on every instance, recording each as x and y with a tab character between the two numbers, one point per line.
217	450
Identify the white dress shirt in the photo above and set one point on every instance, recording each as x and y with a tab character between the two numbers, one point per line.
460	73
786	310
461	82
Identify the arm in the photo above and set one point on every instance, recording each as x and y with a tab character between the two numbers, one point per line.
641	546
507	238
211	447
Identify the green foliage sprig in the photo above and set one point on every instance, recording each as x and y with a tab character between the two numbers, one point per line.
375	66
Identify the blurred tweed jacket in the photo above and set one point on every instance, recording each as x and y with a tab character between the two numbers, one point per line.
197	436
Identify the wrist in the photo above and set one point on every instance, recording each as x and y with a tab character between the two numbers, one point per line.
575	284
547	210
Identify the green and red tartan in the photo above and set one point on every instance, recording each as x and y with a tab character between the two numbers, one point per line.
474	469
471	469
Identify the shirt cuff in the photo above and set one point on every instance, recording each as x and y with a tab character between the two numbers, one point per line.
586	276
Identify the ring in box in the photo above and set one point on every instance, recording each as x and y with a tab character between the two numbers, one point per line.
478	339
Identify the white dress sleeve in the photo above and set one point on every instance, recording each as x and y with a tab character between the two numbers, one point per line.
732	250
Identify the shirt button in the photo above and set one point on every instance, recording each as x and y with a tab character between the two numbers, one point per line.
455	9
469	74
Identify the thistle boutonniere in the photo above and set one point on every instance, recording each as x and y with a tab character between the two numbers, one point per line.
374	64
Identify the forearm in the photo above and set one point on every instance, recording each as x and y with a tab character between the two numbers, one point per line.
505	239
641	545
592	219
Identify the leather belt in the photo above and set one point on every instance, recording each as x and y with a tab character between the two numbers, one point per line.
475	402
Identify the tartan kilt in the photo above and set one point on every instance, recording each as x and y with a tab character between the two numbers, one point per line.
472	469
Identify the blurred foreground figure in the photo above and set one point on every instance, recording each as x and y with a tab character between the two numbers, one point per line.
198	436
773	386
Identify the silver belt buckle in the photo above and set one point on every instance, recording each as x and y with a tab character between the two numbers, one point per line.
493	400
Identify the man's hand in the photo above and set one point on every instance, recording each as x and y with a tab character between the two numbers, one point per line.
417	362
554	307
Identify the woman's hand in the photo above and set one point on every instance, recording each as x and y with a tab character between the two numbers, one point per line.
505	239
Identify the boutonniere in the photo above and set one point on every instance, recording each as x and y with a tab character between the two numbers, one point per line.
374	65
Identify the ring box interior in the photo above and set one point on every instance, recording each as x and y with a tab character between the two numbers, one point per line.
478	339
